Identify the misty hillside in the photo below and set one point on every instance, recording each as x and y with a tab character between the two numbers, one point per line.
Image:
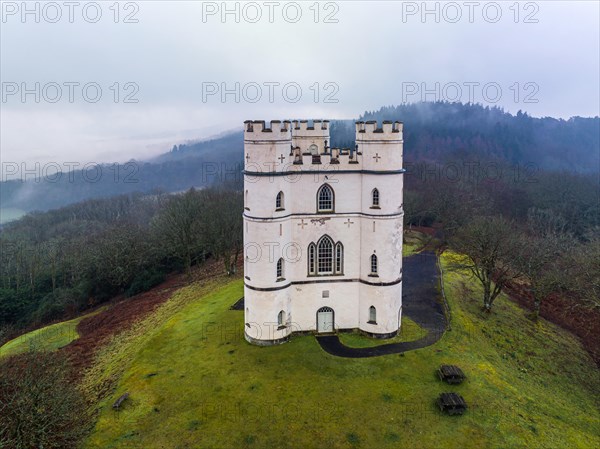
433	132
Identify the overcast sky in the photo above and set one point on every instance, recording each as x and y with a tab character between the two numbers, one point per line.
162	67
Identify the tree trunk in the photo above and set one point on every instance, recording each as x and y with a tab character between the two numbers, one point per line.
487	303
227	263
188	265
537	304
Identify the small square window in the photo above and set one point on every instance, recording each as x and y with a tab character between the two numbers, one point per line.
325	293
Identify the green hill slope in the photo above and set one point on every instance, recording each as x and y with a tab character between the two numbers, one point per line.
194	382
48	338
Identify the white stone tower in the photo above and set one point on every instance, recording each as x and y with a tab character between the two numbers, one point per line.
322	230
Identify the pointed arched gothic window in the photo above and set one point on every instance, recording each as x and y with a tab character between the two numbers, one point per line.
372	315
373	264
312	251
325	257
375	198
325	199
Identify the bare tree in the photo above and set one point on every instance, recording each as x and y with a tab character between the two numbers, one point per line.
222	226
489	245
538	262
583	272
119	253
179	227
545	222
542	246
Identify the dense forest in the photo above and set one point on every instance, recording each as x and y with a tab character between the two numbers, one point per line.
542	228
434	132
58	263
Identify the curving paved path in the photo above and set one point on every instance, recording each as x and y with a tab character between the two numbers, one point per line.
420	302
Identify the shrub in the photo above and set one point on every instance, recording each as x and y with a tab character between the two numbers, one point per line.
14	305
50	308
145	281
39	405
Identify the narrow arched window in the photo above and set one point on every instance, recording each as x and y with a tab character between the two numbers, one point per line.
246	200
280	269
280	318
325	255
279	201
372	315
312	249
325	201
339	258
373	264
375	198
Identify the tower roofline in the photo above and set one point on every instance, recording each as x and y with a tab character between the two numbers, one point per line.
260	125
372	126
304	125
297	125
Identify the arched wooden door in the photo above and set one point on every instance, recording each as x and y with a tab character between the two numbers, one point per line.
325	320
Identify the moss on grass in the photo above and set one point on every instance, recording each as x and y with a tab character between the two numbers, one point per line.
409	331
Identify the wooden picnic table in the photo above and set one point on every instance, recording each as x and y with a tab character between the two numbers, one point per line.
451	374
452	403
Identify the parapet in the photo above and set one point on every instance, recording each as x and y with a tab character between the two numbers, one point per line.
303	125
258	130
388	131
318	128
370	127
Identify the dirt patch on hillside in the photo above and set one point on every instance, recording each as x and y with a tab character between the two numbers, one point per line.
584	323
123	312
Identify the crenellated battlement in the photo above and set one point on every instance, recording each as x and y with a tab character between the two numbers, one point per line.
317	125
371	131
305	143
258	130
319	129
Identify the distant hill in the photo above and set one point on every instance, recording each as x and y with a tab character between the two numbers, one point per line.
196	165
433	132
230	144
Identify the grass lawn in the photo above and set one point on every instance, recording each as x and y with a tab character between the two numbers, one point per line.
194	382
47	338
409	331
